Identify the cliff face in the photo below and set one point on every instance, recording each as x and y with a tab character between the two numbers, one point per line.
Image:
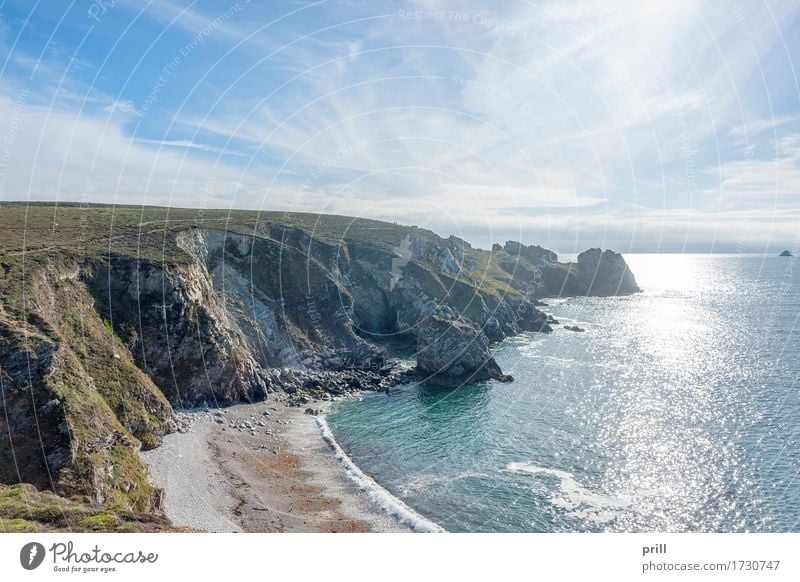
452	352
538	272
605	273
76	410
94	346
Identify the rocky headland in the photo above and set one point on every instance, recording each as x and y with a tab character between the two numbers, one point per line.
111	318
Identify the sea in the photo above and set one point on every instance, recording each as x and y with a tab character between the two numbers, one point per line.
676	410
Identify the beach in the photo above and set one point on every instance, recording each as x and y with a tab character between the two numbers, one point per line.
260	468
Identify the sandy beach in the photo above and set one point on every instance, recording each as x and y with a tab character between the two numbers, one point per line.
260	468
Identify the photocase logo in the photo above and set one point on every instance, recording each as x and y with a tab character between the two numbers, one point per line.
31	555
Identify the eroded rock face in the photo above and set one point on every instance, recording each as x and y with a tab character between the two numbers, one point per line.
452	352
534	253
75	410
605	273
100	348
536	272
178	331
27	451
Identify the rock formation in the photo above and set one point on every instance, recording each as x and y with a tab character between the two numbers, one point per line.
452	352
537	272
605	273
100	336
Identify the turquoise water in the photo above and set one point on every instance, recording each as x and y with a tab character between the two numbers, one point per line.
677	410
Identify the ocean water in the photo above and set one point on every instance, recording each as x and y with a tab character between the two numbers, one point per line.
677	410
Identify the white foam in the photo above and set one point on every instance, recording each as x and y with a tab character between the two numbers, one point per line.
575	498
556	300
425	480
377	494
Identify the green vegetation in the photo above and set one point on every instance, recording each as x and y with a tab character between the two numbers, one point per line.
117	475
35	234
36	230
135	400
24	509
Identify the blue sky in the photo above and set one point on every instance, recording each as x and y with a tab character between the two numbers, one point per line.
673	127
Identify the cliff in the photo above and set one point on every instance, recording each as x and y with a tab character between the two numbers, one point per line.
111	316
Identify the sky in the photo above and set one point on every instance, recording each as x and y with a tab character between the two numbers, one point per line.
639	126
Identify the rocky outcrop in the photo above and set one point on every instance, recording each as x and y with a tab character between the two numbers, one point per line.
537	273
574	328
73	417
532	253
34	435
178	329
95	349
452	352
786	253
605	273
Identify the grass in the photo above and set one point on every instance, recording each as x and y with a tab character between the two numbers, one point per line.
116	475
24	509
103	230
36	234
138	404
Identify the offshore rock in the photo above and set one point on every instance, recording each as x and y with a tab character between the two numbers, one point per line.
452	352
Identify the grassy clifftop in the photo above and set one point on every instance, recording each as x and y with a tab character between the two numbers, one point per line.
36	234
97	229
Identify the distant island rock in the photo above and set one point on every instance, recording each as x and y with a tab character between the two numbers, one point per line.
786	254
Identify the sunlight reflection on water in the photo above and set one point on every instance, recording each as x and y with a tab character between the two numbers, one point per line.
675	411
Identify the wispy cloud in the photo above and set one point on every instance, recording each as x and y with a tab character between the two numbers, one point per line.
626	123
759	181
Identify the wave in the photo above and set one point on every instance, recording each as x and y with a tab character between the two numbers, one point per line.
377	494
577	500
425	480
556	300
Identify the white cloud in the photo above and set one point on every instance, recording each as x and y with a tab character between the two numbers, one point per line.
59	154
761	180
756	127
535	118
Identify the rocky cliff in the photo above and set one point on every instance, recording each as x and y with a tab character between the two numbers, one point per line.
102	330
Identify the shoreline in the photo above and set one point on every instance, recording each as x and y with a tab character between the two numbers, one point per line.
376	492
269	467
